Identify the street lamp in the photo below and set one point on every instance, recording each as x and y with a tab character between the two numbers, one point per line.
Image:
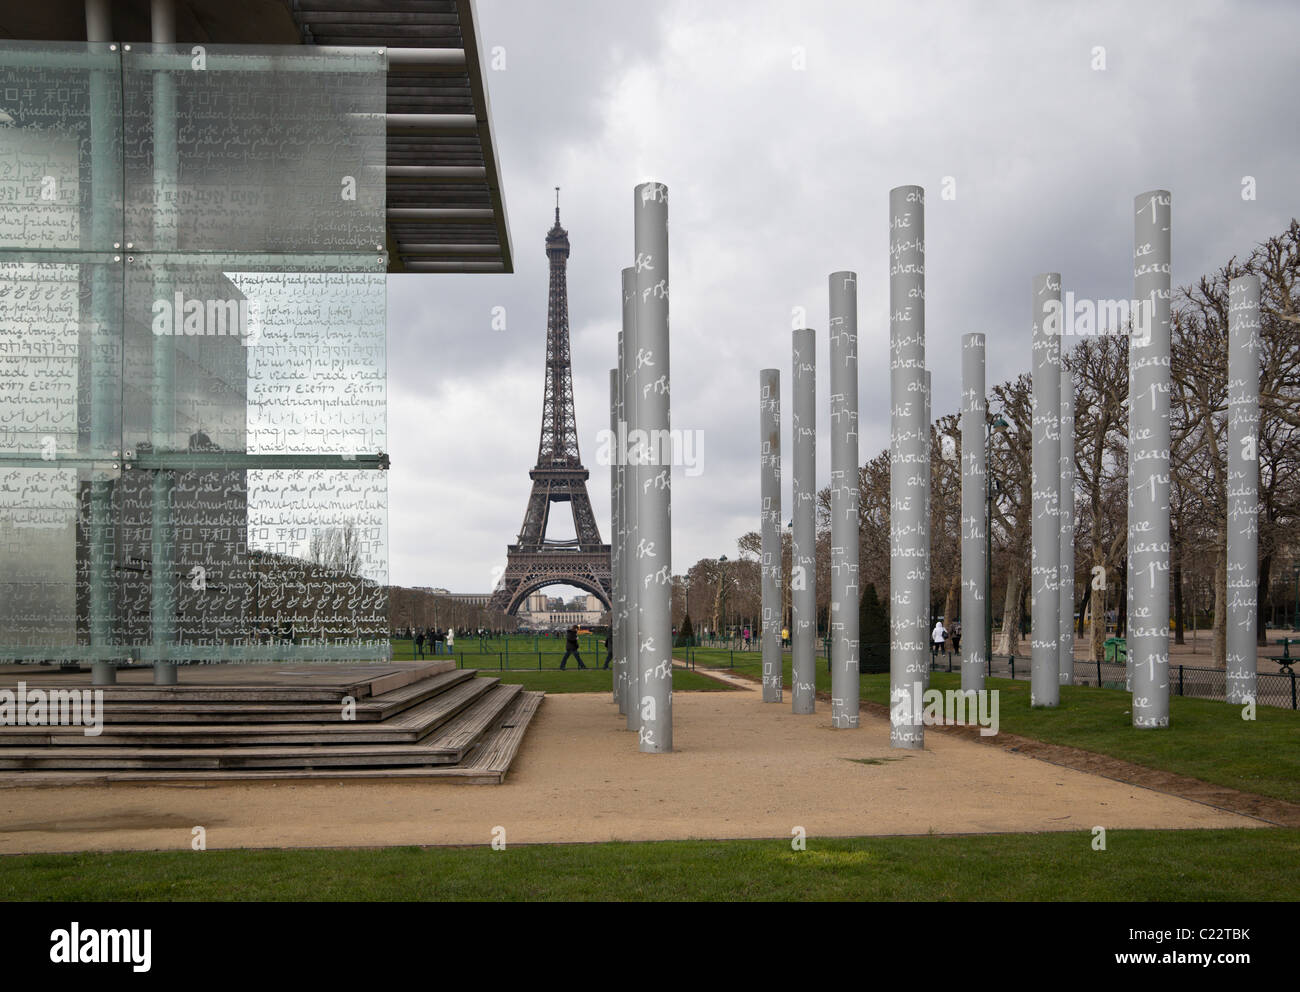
990	487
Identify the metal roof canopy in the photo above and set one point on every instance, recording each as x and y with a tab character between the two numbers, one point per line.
446	211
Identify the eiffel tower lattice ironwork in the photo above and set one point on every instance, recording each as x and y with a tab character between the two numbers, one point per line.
535	562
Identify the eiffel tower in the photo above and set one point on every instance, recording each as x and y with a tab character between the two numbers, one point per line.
559	476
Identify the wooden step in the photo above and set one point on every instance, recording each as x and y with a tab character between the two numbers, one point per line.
407	727
490	769
370	710
486	765
255	683
447	746
489	762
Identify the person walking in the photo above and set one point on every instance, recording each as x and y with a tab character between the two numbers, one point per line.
609	648
937	637
956	638
745	637
451	640
419	644
571	648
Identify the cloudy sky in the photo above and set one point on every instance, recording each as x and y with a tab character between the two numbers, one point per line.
779	128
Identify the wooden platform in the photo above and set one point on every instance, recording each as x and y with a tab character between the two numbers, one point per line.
228	722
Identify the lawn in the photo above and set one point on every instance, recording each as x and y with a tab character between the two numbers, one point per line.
597	680
1189	865
514	659
1206	739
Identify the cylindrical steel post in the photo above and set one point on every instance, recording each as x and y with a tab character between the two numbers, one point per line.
105	341
926	478
974	482
909	468
631	456
166	168
615	543
845	685
769	466
1045	678
803	577
1243	487
1065	559
652	381
1148	634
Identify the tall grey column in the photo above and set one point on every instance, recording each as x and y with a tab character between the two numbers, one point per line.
105	432
615	530
632	470
1243	487
1148	635
803	579
844	499
652	382
1065	561
1045	677
974	491
909	467
926	477
769	428
166	174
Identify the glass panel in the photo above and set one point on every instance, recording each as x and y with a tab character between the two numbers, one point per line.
179	417
60	357
235	148
265	564
262	354
319	548
60	146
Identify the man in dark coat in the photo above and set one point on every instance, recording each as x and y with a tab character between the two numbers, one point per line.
571	648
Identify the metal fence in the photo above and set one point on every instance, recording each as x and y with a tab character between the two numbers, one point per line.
1271	688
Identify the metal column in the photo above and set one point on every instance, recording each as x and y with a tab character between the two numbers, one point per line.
1045	678
1065	557
654	547
769	455
845	685
105	339
631	456
162	602
909	468
1148	633
1243	487
803	579
974	482
615	529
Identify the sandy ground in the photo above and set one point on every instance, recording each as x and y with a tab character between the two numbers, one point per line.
740	769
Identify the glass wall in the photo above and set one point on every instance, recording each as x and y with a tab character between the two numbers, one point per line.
192	353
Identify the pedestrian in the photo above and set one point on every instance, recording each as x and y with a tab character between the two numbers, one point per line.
785	637
937	637
419	644
451	640
744	636
609	648
571	648
956	638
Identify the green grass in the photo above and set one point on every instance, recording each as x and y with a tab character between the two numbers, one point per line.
523	650
1156	865
597	680
523	668
1206	739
